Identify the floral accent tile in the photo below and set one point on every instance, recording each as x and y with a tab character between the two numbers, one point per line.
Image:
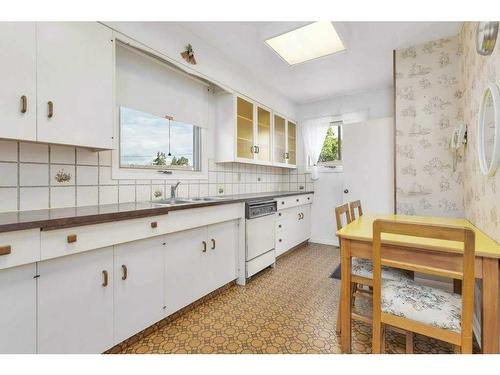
427	83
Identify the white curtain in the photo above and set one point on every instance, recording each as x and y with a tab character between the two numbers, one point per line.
313	133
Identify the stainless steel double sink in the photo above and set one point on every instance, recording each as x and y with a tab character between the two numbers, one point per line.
177	201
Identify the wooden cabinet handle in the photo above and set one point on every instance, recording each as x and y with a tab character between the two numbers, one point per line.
299	216
71	238
124	272
50	112
282	202
24	104
296	200
204	246
279	225
280	240
213	244
308	198
105	278
154	224
279	214
5	250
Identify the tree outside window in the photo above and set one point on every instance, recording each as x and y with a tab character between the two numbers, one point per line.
331	152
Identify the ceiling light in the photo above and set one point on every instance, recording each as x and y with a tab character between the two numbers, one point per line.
308	42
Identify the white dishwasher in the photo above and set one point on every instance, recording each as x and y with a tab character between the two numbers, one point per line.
260	227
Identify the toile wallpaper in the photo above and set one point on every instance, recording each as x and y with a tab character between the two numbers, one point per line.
482	193
428	94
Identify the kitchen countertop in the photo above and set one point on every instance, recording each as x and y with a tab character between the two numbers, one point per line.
57	218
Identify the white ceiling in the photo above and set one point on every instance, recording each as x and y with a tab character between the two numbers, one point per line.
365	66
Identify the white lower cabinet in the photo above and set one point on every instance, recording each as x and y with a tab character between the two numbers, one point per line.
75	303
185	268
223	241
293	226
138	286
199	261
18	310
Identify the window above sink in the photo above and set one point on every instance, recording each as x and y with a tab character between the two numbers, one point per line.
152	142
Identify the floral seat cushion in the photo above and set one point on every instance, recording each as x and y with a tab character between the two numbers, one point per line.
364	268
422	303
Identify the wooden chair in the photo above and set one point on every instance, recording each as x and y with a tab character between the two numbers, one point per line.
353	206
419	308
362	274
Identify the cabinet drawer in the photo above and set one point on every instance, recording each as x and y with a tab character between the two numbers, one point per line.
19	247
68	241
293	201
258	264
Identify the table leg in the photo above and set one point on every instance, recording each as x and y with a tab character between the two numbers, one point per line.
345	300
489	326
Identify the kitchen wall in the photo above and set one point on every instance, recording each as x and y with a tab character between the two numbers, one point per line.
38	176
482	194
427	110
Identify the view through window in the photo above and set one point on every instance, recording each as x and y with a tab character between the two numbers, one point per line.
148	141
331	153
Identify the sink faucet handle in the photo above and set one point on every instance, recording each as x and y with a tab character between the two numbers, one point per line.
173	189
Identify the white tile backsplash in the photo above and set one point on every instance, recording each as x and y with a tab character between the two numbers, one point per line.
87	195
91	181
8	151
8	174
86	175
33	174
62	196
33	198
86	157
62	154
33	152
8	199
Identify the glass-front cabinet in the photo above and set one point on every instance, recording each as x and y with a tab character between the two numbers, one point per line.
249	132
285	142
264	144
292	143
279	139
245	145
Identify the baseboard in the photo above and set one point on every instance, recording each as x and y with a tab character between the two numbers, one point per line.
325	241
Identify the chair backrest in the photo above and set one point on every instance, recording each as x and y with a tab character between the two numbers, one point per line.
440	232
353	206
342	210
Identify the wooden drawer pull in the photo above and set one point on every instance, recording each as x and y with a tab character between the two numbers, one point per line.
50	109
154	224
5	250
124	272
71	238
296	200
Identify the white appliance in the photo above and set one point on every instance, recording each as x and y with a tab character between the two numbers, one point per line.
260	229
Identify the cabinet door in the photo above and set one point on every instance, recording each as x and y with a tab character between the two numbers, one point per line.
223	246
75	303
263	134
185	268
139	291
75	74
18	310
292	143
244	129
305	222
18	80
279	139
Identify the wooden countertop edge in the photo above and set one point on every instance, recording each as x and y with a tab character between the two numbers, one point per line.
423	247
75	221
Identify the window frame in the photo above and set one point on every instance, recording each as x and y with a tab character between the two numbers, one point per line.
196	150
334	165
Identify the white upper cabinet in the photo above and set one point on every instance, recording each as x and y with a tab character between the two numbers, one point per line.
75	84
18	80
250	133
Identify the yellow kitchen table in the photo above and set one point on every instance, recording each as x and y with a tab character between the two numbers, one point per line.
356	241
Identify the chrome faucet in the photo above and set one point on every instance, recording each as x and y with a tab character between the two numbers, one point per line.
173	189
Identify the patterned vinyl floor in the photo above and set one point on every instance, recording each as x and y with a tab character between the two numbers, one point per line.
289	309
